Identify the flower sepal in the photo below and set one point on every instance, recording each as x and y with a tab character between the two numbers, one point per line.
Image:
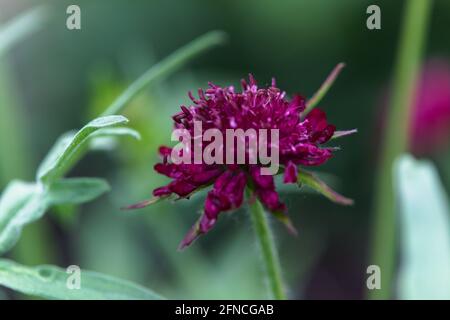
343	133
312	181
191	236
146	203
279	214
284	219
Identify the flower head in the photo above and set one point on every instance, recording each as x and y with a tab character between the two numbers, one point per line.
300	139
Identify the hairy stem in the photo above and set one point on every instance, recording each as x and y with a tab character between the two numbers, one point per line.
412	39
268	248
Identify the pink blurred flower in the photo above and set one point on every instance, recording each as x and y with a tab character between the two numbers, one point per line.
430	123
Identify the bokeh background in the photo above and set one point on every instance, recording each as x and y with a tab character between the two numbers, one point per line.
57	79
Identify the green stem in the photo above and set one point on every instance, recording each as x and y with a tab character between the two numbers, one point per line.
166	67
267	246
412	39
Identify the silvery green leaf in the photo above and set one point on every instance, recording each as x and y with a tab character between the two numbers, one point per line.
68	148
51	282
106	139
116	131
425	230
75	190
55	152
21	203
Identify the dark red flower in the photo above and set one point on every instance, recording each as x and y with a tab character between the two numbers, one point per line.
222	108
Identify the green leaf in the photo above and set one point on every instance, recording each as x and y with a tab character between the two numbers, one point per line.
104	122
75	190
425	230
51	282
24	203
21	27
69	147
21	203
55	152
14	196
106	139
312	181
117	131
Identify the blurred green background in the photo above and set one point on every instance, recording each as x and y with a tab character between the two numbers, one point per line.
57	79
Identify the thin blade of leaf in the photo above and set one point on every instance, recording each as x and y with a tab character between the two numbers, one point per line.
51	282
166	67
75	190
317	97
116	131
425	230
56	151
312	181
106	139
64	154
339	134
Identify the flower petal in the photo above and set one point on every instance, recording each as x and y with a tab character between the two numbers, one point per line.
162	191
227	194
264	187
321	131
181	187
290	173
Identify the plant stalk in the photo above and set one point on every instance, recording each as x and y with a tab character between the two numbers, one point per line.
268	249
395	140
